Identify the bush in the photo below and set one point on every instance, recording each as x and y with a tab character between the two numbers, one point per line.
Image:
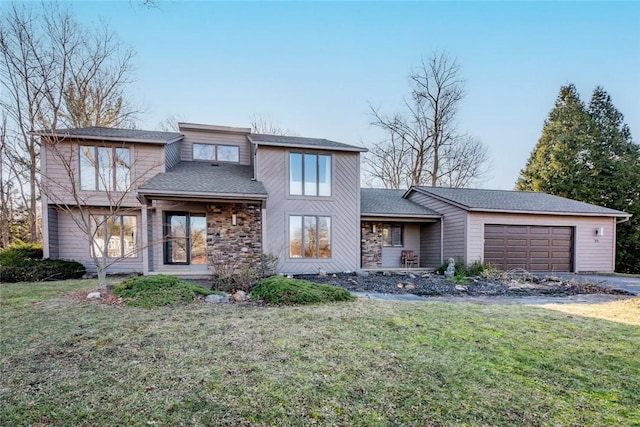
17	253
36	270
158	291
280	290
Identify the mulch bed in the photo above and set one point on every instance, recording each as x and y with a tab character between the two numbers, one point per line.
105	297
516	285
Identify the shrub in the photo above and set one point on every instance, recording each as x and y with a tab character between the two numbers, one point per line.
36	270
280	290
17	253
158	291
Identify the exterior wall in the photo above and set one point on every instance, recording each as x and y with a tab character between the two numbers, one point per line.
343	207
74	245
371	245
454	225
213	137
52	227
172	154
430	245
147	160
591	252
233	248
391	255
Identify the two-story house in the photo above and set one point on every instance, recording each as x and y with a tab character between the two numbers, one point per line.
217	198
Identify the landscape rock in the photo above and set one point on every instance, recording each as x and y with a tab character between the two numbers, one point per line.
216	299
362	273
94	295
410	286
240	296
386	273
322	273
400	285
461	288
353	282
411	275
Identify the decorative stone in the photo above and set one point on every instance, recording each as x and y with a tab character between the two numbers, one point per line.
386	273
426	275
451	269
353	282
411	275
94	295
334	276
461	288
410	286
240	296
216	299
400	285
362	273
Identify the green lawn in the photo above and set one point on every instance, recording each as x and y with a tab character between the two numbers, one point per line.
65	362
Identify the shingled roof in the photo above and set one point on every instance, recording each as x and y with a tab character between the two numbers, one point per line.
113	134
390	203
205	180
301	142
514	201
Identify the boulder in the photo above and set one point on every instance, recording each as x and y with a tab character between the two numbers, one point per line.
362	273
94	295
216	299
240	296
410	286
461	288
322	273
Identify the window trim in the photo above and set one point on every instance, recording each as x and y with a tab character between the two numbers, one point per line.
317	155
112	168
391	226
135	254
215	151
166	227
302	256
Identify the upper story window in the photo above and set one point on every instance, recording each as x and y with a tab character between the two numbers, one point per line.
309	174
105	168
220	153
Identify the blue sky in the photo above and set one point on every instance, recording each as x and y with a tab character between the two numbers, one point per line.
314	67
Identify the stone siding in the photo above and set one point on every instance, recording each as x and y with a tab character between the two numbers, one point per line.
371	245
232	248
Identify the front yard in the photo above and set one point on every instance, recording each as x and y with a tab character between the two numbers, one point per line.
65	362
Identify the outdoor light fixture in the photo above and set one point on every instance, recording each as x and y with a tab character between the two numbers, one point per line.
600	231
374	228
234	219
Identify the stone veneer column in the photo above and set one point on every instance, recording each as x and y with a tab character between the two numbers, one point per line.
234	247
371	245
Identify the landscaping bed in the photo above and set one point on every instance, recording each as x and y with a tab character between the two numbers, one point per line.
516	284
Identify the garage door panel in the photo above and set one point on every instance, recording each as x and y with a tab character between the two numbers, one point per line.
534	248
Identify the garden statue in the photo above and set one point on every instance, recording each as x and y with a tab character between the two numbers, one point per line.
451	269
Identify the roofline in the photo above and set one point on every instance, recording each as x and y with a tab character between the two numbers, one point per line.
64	136
216	128
562	213
408	218
515	211
310	147
199	194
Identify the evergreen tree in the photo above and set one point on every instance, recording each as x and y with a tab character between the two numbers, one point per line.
589	155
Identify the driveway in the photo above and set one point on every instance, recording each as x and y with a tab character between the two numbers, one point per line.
626	283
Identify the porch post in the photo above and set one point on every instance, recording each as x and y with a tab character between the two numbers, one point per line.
145	240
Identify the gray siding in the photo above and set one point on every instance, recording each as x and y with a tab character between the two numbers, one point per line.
74	245
391	256
430	245
213	137
52	222
591	252
172	154
343	207
454	223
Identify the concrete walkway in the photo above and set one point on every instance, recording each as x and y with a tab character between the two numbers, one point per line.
532	300
625	283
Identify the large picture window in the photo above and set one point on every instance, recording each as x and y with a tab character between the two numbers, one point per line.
113	236
105	168
309	174
185	238
219	153
309	236
392	235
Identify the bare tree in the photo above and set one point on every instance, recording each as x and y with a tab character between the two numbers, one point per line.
53	72
424	145
170	123
266	125
98	215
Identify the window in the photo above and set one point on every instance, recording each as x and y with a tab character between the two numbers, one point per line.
185	238
113	236
309	236
309	174
391	235
104	168
220	153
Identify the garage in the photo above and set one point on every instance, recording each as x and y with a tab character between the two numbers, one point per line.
533	248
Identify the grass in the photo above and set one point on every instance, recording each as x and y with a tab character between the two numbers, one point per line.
64	362
624	311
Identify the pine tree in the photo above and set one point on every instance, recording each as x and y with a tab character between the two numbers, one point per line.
589	155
